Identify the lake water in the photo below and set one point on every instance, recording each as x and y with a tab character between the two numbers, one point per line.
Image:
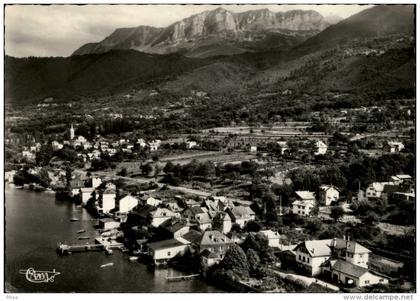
35	222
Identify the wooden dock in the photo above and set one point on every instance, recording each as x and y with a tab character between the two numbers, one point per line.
64	249
183	277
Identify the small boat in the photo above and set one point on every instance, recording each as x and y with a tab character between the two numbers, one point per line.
74	219
83	237
133	258
110	264
81	231
108	251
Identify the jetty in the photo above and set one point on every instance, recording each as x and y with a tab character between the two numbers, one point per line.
182	277
64	249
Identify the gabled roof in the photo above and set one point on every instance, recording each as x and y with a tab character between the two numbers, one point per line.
164	244
403	177
350	245
318	248
348	268
214	238
143	211
192	236
305	195
241	212
327	187
195	210
162	212
207	254
77	183
320	143
173	225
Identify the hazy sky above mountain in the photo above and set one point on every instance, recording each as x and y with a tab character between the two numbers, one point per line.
58	30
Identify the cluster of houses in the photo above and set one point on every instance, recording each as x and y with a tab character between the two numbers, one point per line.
398	188
337	260
305	201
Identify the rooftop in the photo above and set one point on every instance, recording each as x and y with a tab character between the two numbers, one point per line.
164	244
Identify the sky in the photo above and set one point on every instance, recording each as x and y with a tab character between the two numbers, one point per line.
58	30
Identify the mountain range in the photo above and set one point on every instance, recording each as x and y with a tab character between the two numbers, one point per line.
216	32
289	55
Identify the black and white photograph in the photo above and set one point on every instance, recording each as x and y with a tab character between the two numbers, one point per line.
209	148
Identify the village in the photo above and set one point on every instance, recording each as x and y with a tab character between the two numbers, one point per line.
254	209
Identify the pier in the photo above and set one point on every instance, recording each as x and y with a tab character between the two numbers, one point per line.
64	249
100	244
184	277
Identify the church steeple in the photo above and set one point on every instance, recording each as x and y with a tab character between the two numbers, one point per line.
71	132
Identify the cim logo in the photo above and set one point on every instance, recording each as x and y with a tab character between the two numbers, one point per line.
35	276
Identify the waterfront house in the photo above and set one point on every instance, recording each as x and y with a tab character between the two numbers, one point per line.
348	274
304	203
86	194
107	200
75	186
162	251
108	223
241	215
320	148
328	194
311	254
213	246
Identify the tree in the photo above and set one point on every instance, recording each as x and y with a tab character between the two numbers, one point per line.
146	169
259	243
337	212
236	261
123	172
253	260
169	167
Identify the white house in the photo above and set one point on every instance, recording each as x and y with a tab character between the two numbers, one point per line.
253	149
321	148
223	221
86	194
108	200
341	271
304	203
108	223
376	189
273	237
96	181
153	202
162	251
312	254
328	194
154	145
394	147
56	145
241	215
160	215
283	146
191	144
127	203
